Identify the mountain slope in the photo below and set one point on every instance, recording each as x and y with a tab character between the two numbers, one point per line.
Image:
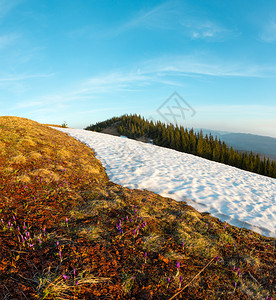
188	141
67	232
264	145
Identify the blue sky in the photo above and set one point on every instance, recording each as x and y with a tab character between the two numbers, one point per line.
85	61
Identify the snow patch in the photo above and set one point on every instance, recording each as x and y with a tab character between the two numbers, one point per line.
239	197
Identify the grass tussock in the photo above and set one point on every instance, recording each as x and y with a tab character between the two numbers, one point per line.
35	155
19	159
84	237
45	174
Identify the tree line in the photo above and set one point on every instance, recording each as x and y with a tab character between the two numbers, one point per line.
189	141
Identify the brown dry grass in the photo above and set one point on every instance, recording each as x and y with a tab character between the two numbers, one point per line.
49	176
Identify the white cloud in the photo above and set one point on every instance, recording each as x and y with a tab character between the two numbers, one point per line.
22	77
168	16
7	5
6	40
197	28
269	32
197	65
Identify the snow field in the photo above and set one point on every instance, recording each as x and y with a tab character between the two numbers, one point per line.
241	198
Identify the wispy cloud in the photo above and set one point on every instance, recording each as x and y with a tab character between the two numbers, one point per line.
195	65
22	77
7	39
167	16
269	32
158	17
165	71
6	6
204	29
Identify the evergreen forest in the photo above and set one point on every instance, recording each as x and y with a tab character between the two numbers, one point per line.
188	141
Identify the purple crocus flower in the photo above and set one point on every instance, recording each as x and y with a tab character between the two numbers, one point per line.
178	267
74	272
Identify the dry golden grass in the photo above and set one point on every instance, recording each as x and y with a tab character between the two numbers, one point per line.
79	189
24	179
19	159
91	170
27	142
153	242
55	287
35	155
46	175
64	154
90	232
8	170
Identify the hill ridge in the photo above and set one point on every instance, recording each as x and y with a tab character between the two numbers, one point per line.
67	231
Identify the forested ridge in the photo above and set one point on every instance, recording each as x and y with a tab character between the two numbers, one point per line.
188	141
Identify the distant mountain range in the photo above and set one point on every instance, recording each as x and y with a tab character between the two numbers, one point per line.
264	145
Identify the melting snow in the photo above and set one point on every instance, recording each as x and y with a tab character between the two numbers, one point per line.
241	198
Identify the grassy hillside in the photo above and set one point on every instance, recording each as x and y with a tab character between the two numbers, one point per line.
67	232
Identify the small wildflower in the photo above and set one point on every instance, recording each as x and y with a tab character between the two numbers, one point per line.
57	243
217	258
168	282
180	281
77	282
74	272
146	254
235	285
178	267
